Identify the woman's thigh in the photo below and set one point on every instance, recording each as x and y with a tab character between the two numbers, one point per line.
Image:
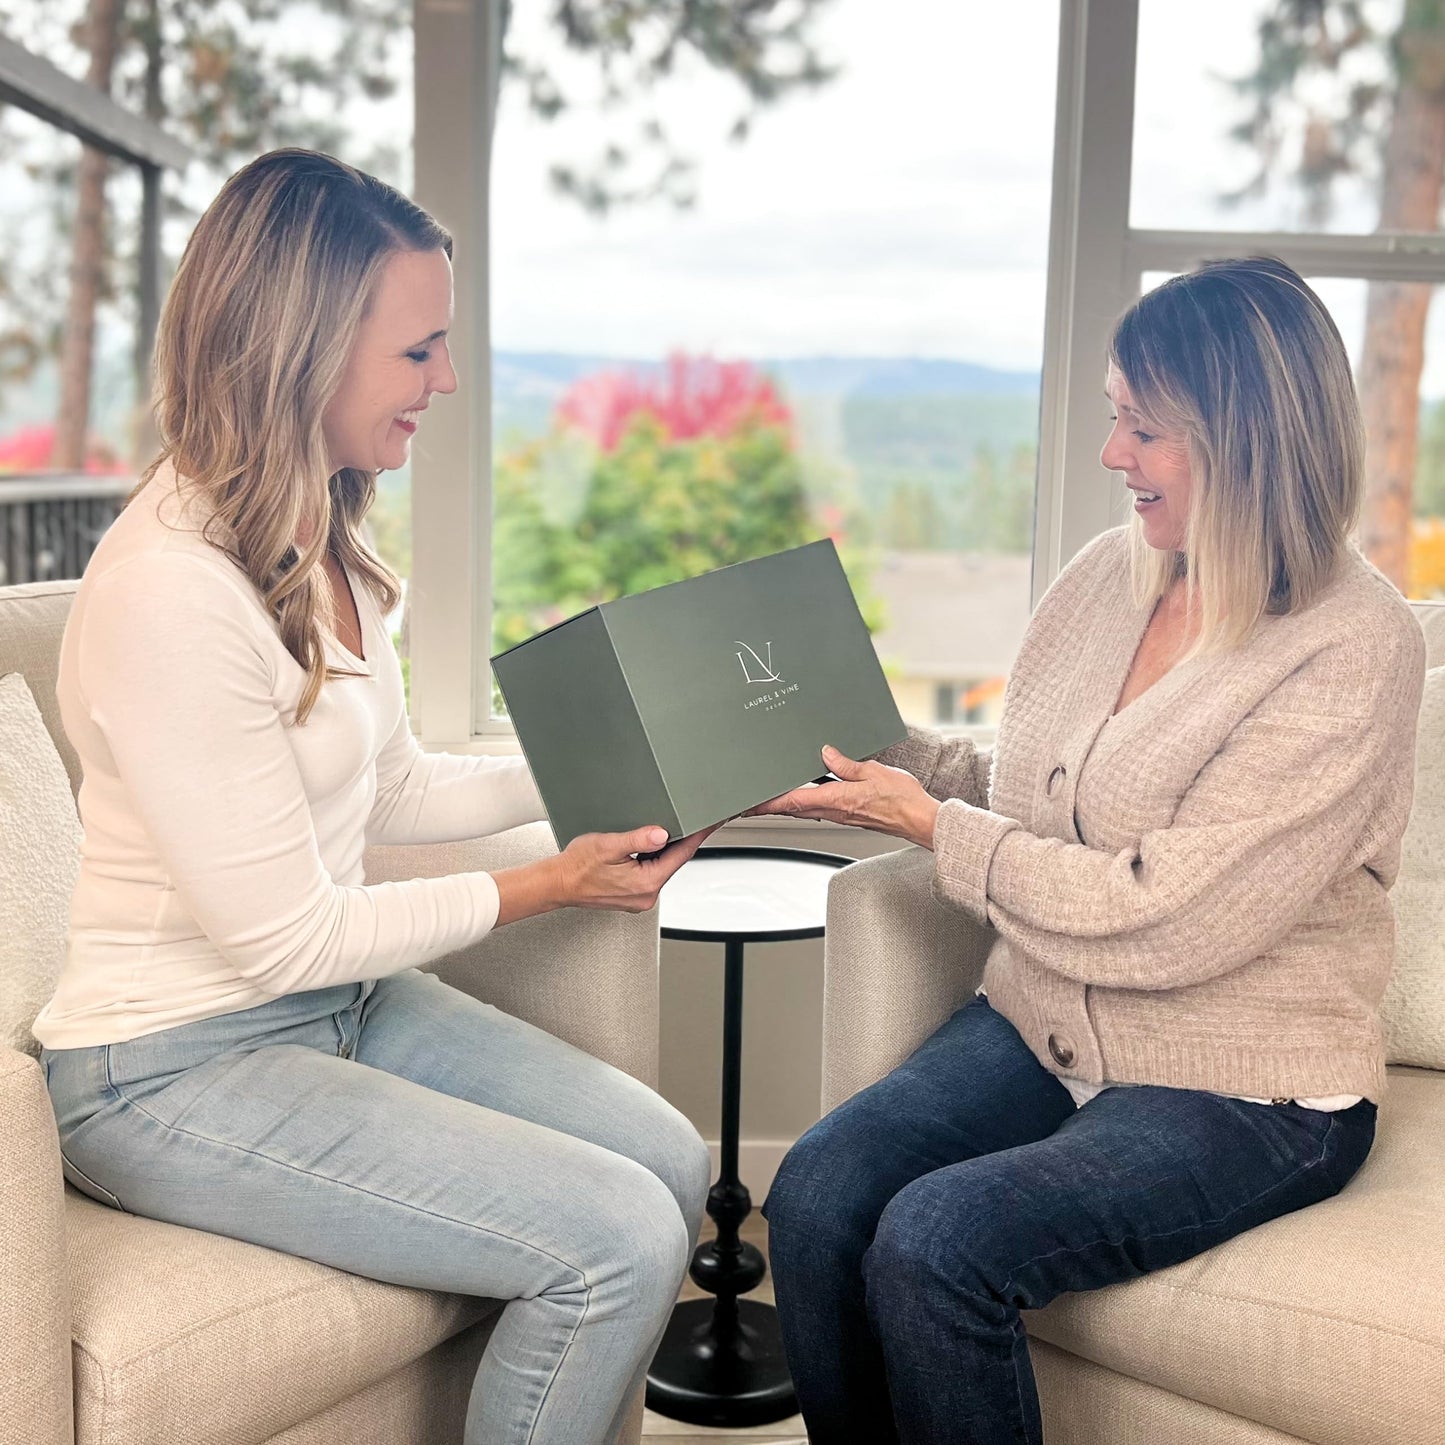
311	1153
972	1088
414	1026
379	1128
1138	1179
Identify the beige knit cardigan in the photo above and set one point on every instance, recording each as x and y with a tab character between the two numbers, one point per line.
1192	892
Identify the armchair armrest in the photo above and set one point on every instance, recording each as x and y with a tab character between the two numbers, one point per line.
896	964
589	976
35	1385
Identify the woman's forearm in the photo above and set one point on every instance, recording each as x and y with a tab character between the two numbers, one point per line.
530	889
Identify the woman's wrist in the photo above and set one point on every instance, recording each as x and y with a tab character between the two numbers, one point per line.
533	888
923	821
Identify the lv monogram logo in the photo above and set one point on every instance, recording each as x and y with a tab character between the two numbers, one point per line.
764	668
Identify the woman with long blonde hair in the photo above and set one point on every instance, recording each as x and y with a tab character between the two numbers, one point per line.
1184	838
241	1040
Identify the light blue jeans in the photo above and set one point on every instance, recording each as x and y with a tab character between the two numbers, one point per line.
402	1130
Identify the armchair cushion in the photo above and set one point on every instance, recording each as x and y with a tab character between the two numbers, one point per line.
1325	1324
183	1335
39	860
1413	1009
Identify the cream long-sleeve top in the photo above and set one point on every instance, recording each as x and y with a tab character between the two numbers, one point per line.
222	857
1194	891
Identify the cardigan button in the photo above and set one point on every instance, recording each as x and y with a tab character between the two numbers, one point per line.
1062	1051
1055	778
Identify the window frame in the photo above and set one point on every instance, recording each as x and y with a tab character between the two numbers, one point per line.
1096	262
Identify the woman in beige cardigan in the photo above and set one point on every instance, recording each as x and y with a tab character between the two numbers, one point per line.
1184	839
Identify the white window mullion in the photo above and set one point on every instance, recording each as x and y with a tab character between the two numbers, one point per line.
1089	277
456	70
1387	257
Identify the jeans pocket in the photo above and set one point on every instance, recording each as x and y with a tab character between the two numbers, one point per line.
86	1185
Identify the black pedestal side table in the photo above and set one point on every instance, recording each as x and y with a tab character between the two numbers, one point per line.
721	1360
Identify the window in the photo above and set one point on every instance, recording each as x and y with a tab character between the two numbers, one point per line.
841	337
1404	527
838	263
1278	138
1144	80
74	399
74	338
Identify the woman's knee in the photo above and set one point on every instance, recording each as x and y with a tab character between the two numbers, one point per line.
667	1144
818	1190
687	1169
637	1242
937	1233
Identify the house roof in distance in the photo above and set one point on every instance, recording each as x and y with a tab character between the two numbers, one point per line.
952	615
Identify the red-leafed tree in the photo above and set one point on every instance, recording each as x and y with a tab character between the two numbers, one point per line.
689	468
692	396
32	449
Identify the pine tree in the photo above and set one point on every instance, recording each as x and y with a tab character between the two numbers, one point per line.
1396	131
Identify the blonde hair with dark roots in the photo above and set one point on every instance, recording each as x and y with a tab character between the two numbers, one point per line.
252	345
1243	359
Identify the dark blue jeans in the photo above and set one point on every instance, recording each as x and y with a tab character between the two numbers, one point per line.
909	1228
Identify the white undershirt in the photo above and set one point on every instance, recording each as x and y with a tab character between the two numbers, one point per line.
1082	1091
222	858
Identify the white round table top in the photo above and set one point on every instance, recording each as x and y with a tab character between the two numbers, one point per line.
747	896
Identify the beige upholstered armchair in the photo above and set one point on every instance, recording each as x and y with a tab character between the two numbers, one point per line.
119	1330
1327	1326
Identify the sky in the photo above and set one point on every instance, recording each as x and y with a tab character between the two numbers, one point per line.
901	210
878	215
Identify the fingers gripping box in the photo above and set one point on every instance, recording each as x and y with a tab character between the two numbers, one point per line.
691	703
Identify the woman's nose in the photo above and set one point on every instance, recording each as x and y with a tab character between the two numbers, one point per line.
1115	455
445	380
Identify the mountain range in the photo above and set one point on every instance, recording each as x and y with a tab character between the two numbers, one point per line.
524	377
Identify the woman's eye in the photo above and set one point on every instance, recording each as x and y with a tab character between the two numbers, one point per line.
1145	437
419	356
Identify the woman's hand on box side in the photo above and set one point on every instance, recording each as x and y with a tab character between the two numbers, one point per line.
598	870
866	795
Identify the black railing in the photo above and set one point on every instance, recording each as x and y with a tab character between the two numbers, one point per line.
51	521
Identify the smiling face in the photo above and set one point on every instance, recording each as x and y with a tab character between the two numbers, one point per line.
1155	463
398	362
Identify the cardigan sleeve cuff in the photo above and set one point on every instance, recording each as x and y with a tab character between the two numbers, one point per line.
964	842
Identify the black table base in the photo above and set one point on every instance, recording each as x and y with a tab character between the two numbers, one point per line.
721	1360
722	1371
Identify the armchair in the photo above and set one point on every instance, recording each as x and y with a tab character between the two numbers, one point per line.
120	1330
1326	1326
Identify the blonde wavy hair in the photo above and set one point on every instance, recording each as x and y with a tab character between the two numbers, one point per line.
252	345
1241	357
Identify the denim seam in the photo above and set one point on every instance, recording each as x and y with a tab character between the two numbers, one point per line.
370	1193
94	1183
1185	1229
1018	1328
561	1360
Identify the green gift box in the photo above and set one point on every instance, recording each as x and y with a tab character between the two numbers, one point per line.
690	703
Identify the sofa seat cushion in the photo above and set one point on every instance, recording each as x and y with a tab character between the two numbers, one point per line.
1326	1324
180	1335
